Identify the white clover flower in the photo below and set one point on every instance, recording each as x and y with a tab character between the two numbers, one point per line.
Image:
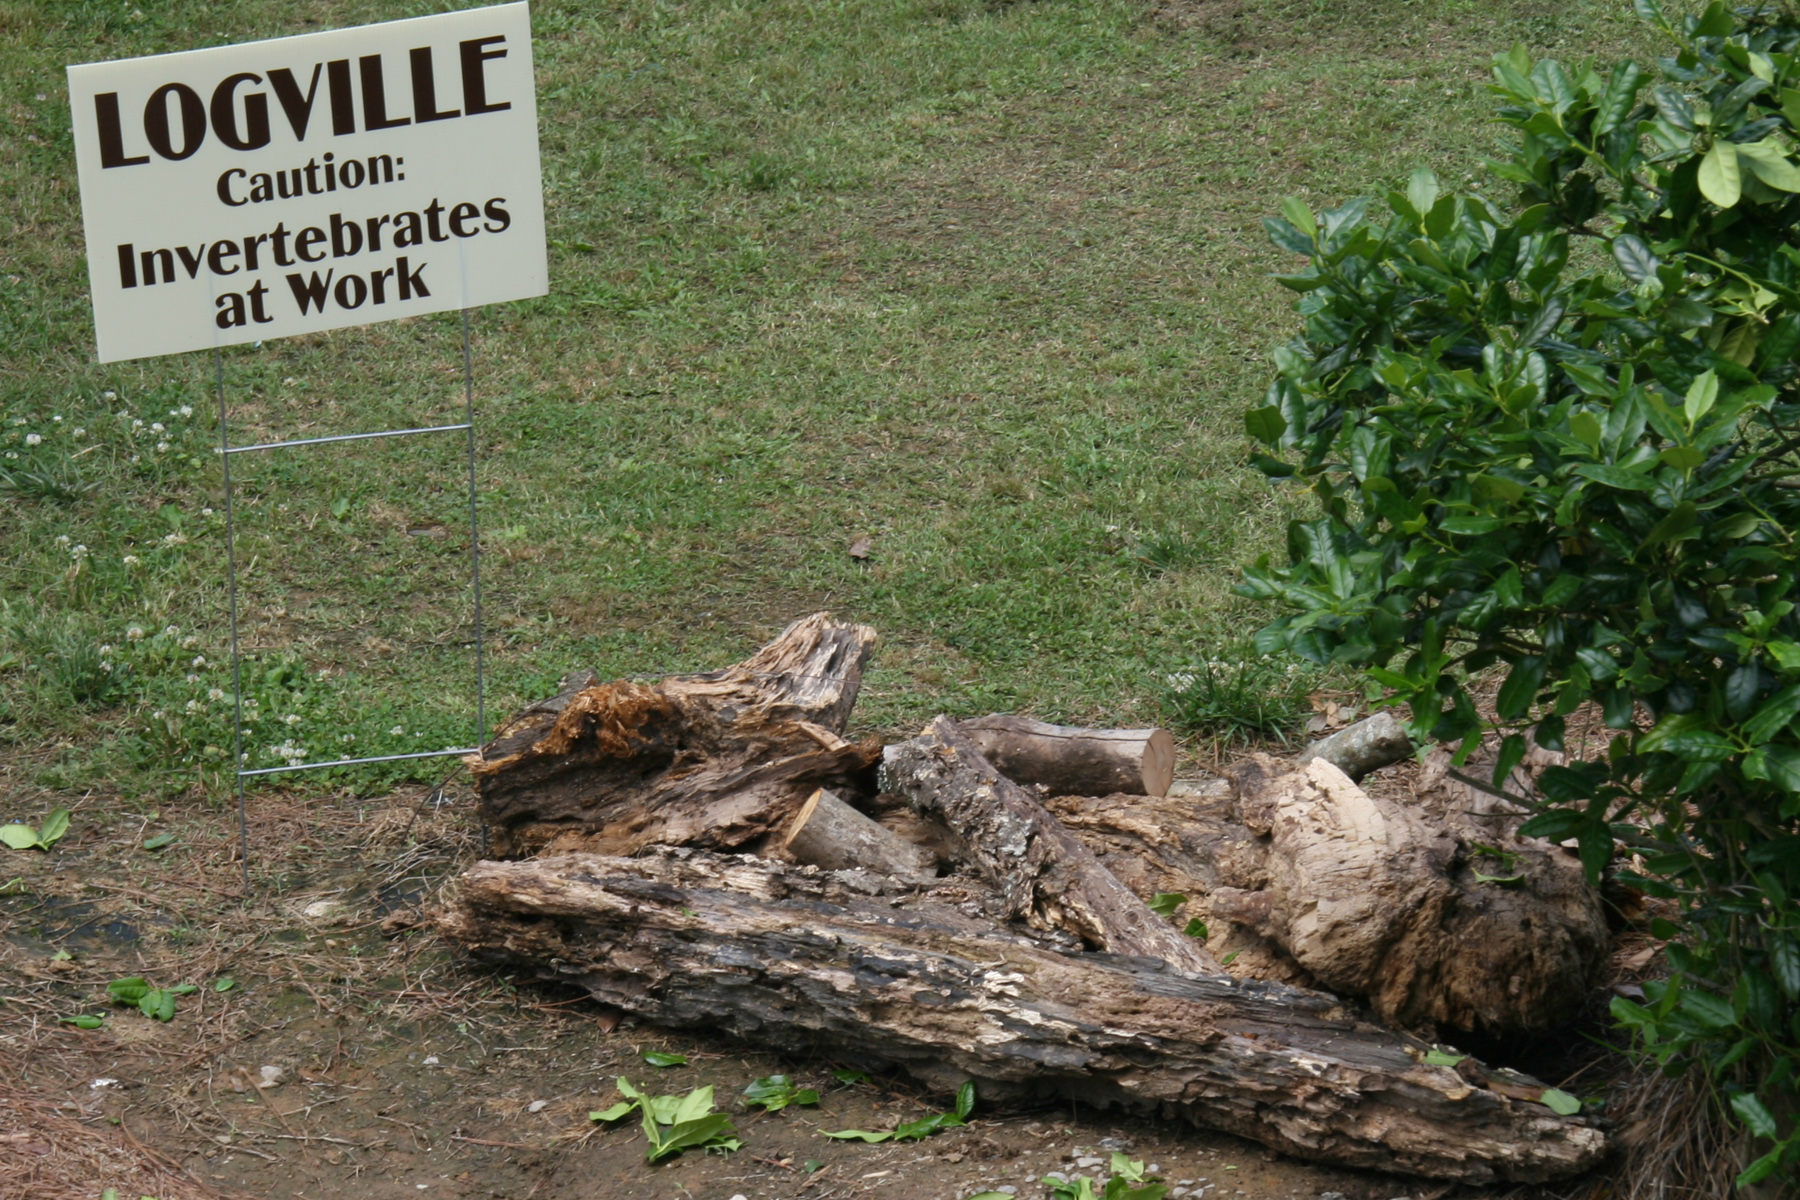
206	512
79	432
62	539
78	552
170	631
193	679
137	424
173	539
136	457
200	661
193	706
162	447
157	427
290	381
157	715
18	420
134	633
396	731
12	454
215	694
107	667
109	395
56	419
291	719
189	642
348	737
106	650
34	439
186	410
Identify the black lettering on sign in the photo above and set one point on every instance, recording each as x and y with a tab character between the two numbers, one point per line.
255	134
193	121
112	136
297	108
475	54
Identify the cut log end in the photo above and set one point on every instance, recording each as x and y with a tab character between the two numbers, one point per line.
830	834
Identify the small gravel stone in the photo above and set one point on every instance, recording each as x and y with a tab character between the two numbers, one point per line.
537	1106
1118	1144
1089	1162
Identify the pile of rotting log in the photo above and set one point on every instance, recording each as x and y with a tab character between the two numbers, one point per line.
709	851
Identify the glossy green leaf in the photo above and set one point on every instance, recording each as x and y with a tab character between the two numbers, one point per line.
661	1058
1442	1058
1300	216
1634	258
1265	424
1720	179
1755	1117
1702	394
19	837
159	841
965	1099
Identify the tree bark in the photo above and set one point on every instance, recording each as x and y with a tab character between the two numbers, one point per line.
1047	877
1372	743
1071	761
790	958
828	833
719	759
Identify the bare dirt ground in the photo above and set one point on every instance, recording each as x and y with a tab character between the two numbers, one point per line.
353	1055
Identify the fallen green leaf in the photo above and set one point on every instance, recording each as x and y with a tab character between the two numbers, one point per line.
84	1021
1442	1058
659	1058
1164	904
159	841
1560	1102
225	984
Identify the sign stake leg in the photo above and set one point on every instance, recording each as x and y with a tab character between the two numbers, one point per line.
237	665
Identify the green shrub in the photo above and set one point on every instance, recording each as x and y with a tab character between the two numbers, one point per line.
1558	438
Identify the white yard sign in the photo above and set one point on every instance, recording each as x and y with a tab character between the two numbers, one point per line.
272	188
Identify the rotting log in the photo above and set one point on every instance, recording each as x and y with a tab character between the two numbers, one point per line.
828	833
1434	920
720	759
1045	874
791	958
1071	761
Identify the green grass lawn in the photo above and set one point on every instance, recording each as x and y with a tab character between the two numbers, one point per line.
985	283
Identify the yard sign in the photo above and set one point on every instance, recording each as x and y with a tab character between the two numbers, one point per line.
250	192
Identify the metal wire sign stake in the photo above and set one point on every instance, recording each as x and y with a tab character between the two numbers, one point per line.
405	186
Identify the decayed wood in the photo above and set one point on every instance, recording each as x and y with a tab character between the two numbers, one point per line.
1411	908
718	759
1047	877
1071	761
1368	745
830	834
789	957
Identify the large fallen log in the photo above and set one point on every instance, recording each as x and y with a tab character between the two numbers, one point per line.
789	957
720	759
1437	914
1044	873
1071	761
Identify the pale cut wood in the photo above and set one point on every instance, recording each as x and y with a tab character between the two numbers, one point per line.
791	959
829	834
720	759
1072	761
1047	877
